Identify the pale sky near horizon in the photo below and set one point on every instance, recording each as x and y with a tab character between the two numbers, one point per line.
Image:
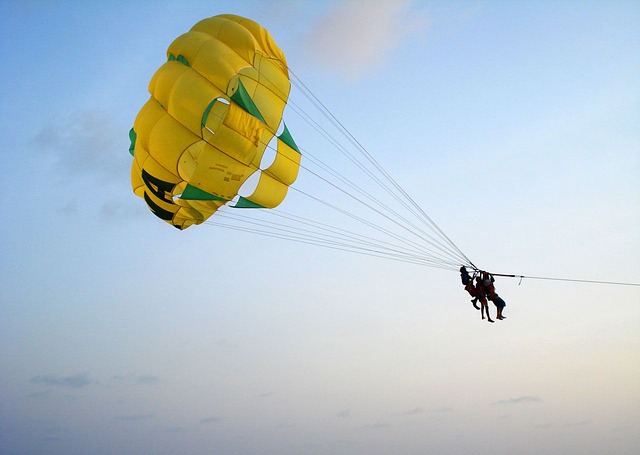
514	125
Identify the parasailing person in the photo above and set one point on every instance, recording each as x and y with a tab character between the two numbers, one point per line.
483	290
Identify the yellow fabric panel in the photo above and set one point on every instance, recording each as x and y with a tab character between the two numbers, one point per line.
167	141
140	155
262	37
248	129
233	146
189	161
184	214
137	184
197	211
161	136
206	208
148	116
215	61
270	106
162	81
187	215
156	169
266	137
269	192
185	219
183	93
230	32
249	78
214	171
272	91
286	164
268	102
144	160
216	117
190	96
189	45
273	76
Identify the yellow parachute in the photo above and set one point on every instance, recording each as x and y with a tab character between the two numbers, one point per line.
215	106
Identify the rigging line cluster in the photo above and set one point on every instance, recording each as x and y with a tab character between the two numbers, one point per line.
392	188
439	257
376	202
439	249
323	234
278	231
442	255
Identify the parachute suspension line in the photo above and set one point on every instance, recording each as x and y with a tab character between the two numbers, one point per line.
350	184
416	208
350	156
299	237
443	252
372	160
359	190
421	234
323	132
434	254
358	238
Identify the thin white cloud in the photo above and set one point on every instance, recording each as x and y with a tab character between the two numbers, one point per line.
89	148
381	424
356	35
139	379
135	417
518	400
77	381
85	144
413	412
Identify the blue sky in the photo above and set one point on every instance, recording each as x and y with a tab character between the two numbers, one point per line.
514	125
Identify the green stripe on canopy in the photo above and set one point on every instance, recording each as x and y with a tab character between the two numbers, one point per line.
243	99
193	193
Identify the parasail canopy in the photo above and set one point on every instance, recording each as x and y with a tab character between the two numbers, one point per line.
215	107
